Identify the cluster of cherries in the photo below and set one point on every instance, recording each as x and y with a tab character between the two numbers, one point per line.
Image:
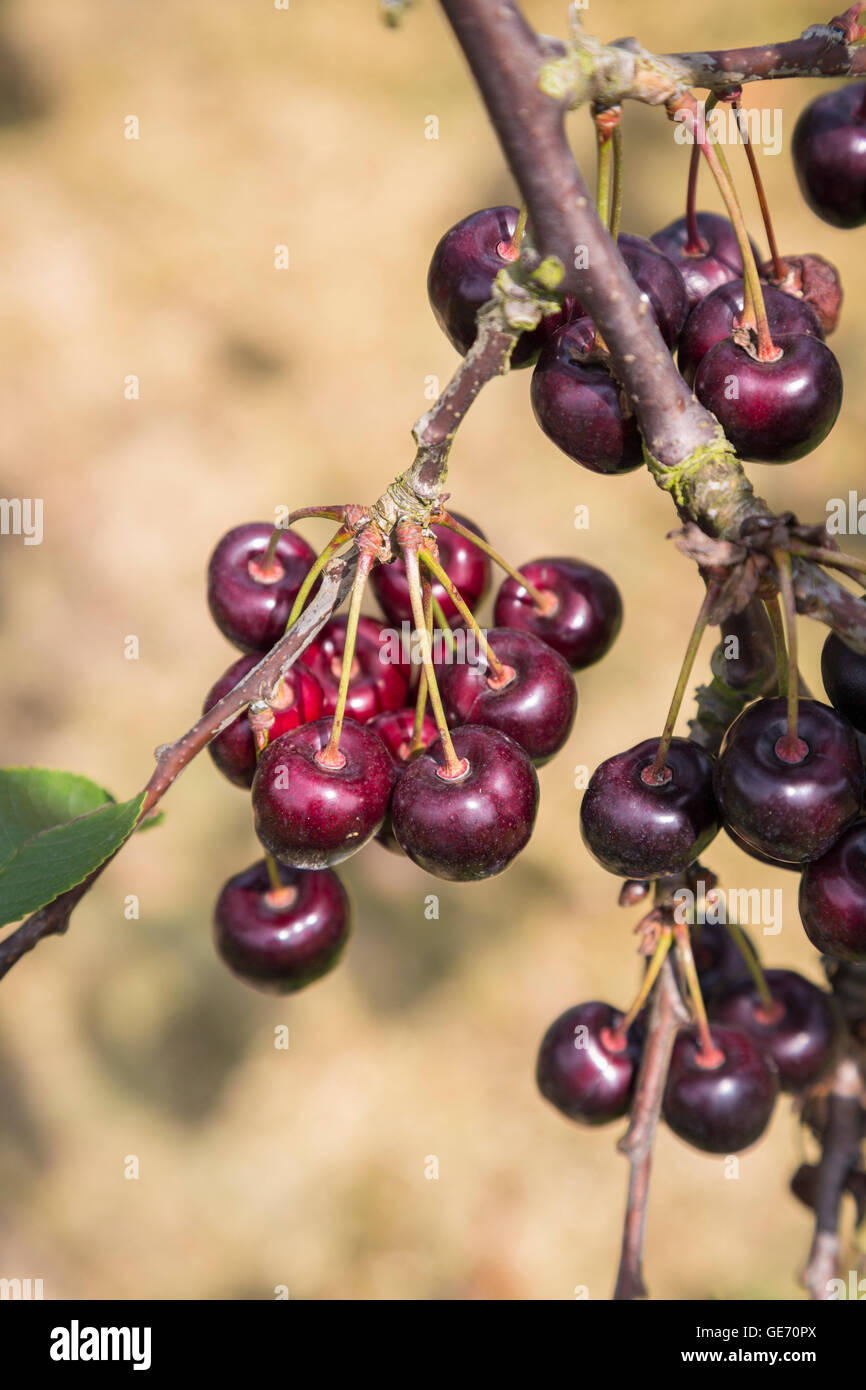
434	759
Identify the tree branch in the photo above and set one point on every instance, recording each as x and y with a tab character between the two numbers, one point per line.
840	1143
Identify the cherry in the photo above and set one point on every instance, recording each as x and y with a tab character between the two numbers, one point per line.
716	262
310	815
466	565
579	406
812	279
718	959
833	897
843	672
395	728
376	682
465	263
580	1068
773	859
250	603
584	612
719	1109
299	700
470	826
534	704
799	1032
639	828
712	320
775	411
789	810
660	281
281	939
829	151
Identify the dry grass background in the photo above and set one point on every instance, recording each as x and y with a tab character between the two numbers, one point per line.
306	1168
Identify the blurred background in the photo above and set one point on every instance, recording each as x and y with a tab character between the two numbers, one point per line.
154	258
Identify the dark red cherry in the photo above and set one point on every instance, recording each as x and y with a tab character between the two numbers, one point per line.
460	279
579	406
310	815
843	672
249	602
829	151
471	826
379	678
660	281
789	810
718	959
534	704
466	565
580	1068
583	615
772	412
833	897
395	728
298	701
773	859
799	1032
281	939
719	1109
708	263
712	321
639	828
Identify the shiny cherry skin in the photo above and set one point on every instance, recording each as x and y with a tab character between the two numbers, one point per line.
579	406
718	959
313	816
281	940
774	860
782	409
660	281
800	1032
535	704
471	826
789	810
250	604
719	1109
843	672
581	1069
712	321
638	828
466	565
583	615
833	897
829	151
395	728
465	263
705	267
377	682
298	702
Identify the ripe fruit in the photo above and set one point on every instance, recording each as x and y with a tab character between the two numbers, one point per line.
466	566
586	613
460	280
234	750
312	816
579	406
772	412
800	1032
773	859
281	940
395	729
833	897
829	151
535	705
639	828
580	1071
719	1109
716	262
843	672
789	810
249	603
472	826
660	281
376	682
712	321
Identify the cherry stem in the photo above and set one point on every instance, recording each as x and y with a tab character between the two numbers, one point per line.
339	538
327	513
791	748
442	623
417	742
330	756
454	766
753	964
838	559
541	600
276	882
710	1054
742	126
500	670
656	772
616	201
774	613
519	230
694	245
651	974
604	151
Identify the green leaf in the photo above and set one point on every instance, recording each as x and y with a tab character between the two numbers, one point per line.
55	829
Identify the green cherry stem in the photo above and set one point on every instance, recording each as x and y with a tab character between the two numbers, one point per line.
774	613
791	748
709	1055
837	559
502	674
616	200
265	570
543	600
442	623
616	1037
330	756
417	742
770	1007
604	152
742	126
408	537
656	773
510	250
695	246
339	538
